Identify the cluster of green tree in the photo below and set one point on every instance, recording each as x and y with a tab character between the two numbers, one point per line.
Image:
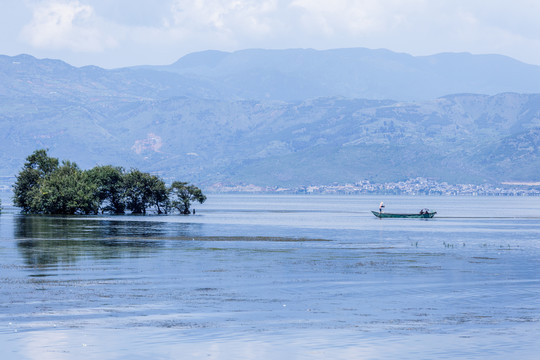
44	186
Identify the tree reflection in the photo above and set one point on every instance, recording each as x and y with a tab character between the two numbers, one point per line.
45	241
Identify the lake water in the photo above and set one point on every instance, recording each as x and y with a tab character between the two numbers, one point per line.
276	277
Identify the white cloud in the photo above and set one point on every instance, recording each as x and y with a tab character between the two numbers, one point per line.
129	32
223	18
352	17
66	25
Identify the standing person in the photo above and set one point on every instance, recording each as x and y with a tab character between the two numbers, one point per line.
381	206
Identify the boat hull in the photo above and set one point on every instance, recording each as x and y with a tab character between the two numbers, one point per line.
412	216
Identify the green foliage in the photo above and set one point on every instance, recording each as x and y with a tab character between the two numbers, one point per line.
159	197
181	195
43	187
38	165
144	190
68	190
110	188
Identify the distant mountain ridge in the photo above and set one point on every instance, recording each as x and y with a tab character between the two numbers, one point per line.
24	75
286	75
298	74
204	119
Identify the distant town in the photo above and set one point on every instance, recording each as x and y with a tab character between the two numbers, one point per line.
418	186
413	187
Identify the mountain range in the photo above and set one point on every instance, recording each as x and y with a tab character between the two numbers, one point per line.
281	117
296	74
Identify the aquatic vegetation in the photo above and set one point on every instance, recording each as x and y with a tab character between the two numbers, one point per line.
45	187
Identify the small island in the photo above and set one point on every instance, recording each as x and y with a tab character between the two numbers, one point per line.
44	186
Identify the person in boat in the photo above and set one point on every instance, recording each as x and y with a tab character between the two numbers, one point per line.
381	206
422	212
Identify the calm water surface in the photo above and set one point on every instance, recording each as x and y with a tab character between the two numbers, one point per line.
276	277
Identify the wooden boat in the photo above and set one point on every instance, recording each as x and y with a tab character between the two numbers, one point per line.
427	215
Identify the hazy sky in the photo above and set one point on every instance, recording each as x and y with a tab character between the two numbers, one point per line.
115	33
